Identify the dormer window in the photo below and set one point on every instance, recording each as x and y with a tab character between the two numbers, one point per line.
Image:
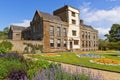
73	14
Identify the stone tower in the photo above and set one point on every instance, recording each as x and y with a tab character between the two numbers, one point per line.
71	16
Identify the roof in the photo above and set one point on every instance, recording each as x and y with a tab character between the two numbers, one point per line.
18	28
87	26
48	16
62	9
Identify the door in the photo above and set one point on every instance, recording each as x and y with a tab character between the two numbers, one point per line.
71	45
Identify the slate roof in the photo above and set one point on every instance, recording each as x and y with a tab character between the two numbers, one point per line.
20	28
48	16
87	26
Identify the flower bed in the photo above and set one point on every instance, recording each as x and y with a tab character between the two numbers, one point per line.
50	55
106	61
90	55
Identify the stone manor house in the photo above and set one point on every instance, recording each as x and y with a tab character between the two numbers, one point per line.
62	31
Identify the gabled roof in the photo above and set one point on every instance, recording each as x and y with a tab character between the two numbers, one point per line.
48	16
17	28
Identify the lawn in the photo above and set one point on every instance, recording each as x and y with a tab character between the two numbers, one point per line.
71	58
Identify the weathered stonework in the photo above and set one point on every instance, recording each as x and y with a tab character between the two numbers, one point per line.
67	31
89	38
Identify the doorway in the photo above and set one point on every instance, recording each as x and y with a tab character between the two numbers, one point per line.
71	46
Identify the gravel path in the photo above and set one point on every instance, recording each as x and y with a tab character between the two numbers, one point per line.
106	74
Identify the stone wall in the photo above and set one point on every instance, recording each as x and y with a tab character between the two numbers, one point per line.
19	45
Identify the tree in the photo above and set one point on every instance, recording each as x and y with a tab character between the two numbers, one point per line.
102	44
6	30
4	33
114	45
111	37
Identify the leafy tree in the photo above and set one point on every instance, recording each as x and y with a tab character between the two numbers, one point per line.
4	33
114	45
102	44
6	30
111	37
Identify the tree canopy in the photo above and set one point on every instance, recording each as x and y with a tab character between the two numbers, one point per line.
111	37
4	33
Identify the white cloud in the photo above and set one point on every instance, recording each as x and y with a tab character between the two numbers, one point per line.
25	23
98	18
99	15
102	31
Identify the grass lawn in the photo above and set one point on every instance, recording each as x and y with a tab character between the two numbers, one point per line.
71	58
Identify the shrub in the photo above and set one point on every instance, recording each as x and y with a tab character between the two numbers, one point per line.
12	55
18	75
57	73
30	48
34	66
5	46
11	62
7	66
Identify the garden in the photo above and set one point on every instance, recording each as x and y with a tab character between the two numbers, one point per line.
14	66
106	60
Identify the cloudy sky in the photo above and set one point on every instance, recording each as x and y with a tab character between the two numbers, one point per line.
100	14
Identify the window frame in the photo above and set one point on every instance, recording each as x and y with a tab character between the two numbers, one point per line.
51	30
64	32
65	43
73	13
52	43
58	31
74	33
73	21
76	42
58	43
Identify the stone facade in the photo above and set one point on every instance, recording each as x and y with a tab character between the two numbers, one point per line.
89	37
71	16
61	31
41	26
15	32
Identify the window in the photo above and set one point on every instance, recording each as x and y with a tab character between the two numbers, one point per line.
86	35
73	14
73	21
86	44
51	30
89	44
73	32
82	34
17	35
89	35
65	43
94	43
51	42
76	42
64	32
58	31
93	36
58	43
82	43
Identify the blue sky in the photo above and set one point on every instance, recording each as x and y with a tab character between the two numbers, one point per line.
101	14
